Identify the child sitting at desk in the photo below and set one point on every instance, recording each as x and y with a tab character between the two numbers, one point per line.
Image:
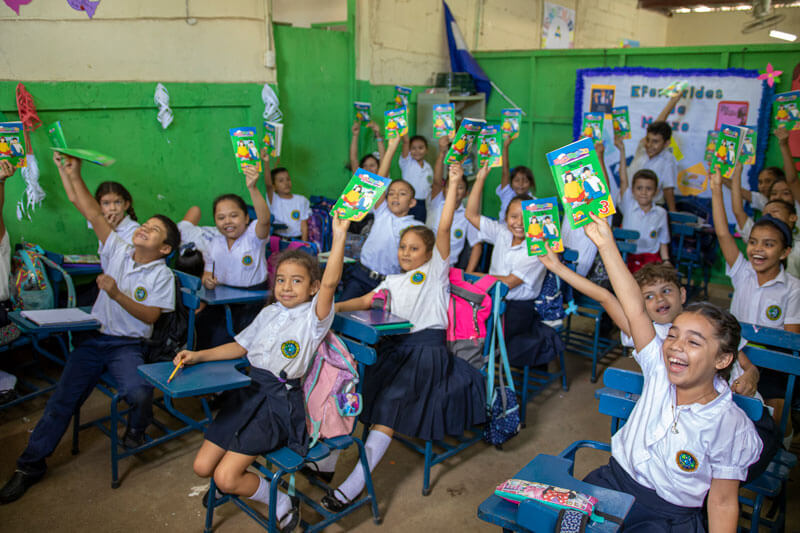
135	288
291	210
279	345
236	257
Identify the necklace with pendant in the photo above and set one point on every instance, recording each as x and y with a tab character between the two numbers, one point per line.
676	412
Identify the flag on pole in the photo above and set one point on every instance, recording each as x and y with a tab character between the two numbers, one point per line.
460	58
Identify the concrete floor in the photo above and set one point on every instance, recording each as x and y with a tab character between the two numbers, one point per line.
159	491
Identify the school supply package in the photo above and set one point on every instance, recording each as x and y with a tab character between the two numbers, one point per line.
786	110
621	121
748	155
711	145
490	142
444	120
728	148
593	125
467	314
401	96
469	129
360	194
363	111
580	181
273	137
243	141
511	119
12	144
396	122
58	142
540	220
330	391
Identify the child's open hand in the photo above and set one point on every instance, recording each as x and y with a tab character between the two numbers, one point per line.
455	172
782	134
599	232
209	280
339	227
185	357
251	175
444	143
6	170
106	283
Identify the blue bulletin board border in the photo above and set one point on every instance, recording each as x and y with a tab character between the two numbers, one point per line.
764	110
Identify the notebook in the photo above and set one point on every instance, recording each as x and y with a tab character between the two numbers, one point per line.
81	259
57	317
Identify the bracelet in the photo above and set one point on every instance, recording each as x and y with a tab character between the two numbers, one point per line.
379	139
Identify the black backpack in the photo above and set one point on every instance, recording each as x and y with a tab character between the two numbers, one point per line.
169	332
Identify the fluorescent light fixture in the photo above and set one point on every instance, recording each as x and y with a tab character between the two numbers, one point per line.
682	10
783	35
702	9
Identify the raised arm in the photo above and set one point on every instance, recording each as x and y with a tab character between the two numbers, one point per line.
6	171
449	209
438	168
726	241
625	287
333	270
623	168
736	195
406	146
69	168
378	139
251	175
673	101
193	215
354	145
505	179
473	209
270	187
788	162
386	164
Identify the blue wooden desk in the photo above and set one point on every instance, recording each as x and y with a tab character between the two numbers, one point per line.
225	295
368	326
533	516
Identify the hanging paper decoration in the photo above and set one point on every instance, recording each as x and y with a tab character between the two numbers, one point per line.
30	120
161	99
770	75
15	4
88	6
272	112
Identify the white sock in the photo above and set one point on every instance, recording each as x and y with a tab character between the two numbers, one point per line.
262	495
376	445
328	464
262	492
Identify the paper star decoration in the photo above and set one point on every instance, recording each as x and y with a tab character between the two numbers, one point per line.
770	75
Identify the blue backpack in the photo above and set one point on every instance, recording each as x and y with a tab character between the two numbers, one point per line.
30	286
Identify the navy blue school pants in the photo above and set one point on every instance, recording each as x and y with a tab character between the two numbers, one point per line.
98	353
357	281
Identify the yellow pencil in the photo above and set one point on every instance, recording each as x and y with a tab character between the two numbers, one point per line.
177	367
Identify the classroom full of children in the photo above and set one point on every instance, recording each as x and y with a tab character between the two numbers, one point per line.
400	311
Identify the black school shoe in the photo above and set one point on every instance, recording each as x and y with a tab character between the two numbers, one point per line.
308	470
133	438
8	396
333	504
17	485
295	513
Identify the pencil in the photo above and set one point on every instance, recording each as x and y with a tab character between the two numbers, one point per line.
177	367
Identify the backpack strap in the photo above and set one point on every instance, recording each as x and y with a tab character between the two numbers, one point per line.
67	279
314	423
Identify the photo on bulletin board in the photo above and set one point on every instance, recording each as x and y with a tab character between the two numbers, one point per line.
602	99
731	113
558	26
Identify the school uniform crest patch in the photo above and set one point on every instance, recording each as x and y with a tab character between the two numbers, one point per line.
686	461
774	312
653	234
247	260
458	234
295	215
417	277
140	294
290	349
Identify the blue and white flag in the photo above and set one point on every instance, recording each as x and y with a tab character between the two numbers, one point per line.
460	58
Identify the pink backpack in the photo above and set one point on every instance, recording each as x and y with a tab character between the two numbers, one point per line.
329	389
469	309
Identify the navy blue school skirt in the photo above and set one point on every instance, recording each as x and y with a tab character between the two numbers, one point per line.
261	417
529	341
650	512
419	389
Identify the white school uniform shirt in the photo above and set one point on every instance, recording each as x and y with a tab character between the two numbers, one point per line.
775	303
461	232
653	226
151	284
715	440
792	262
280	339
420	177
5	267
663	164
379	252
508	259
421	295
290	211
244	265
201	236
576	239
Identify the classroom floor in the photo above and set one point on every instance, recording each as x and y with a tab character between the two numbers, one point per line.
159	491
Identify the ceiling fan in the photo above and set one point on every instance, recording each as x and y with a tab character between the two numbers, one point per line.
764	16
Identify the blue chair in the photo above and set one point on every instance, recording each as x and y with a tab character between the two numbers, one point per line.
284	461
684	250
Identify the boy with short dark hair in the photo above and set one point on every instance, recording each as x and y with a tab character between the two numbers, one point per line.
417	172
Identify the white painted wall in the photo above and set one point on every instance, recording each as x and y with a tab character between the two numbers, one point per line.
700	29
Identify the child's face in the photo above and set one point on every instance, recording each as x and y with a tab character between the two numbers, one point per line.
765	248
514	220
520	183
461	191
150	236
774	209
231	221
418	149
283	183
113	207
399	198
654	143
412	252
644	191
293	285
371	165
691	351
663	300
765	181
780	191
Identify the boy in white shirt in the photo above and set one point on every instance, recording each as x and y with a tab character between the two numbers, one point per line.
417	172
291	210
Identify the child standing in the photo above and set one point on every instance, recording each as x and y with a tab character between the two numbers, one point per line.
417	172
512	184
640	213
416	387
237	257
135	288
686	438
279	344
291	210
